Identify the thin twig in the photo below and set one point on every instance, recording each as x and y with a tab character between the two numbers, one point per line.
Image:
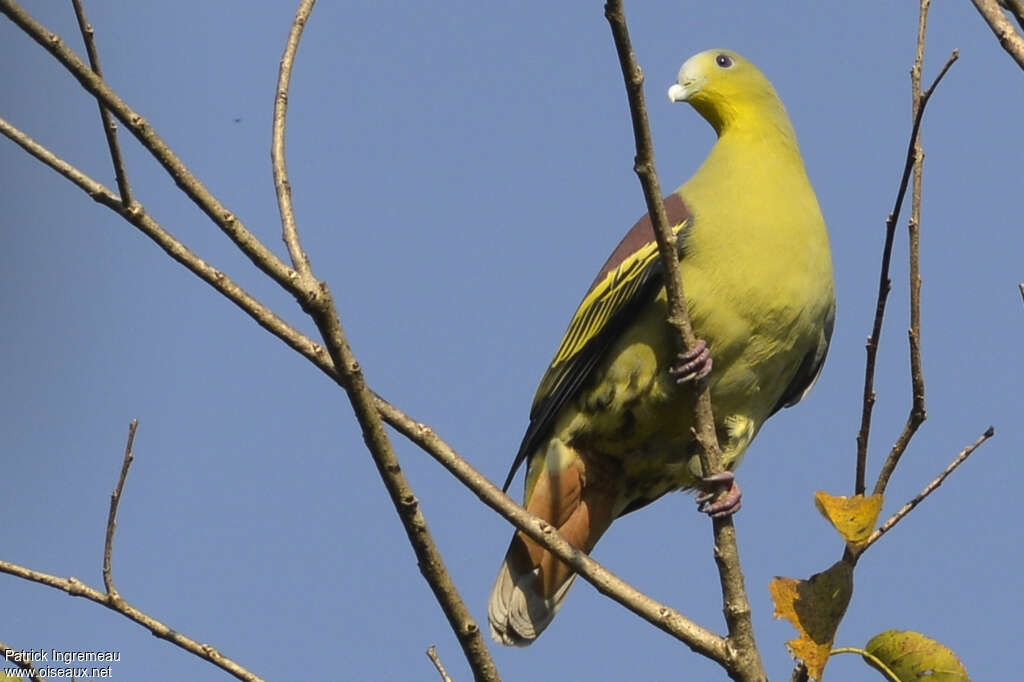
76	588
281	182
745	663
436	660
33	673
928	489
1021	286
669	620
1004	31
918	412
262	257
115	500
109	125
884	284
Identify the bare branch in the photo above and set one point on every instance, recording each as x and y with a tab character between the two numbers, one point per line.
746	663
281	183
431	563
109	126
667	619
1004	31
115	500
33	673
316	299
436	660
136	215
260	255
697	638
884	284
314	296
1021	286
466	629
76	588
928	489
800	673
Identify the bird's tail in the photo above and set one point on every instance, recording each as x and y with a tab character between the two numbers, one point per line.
532	582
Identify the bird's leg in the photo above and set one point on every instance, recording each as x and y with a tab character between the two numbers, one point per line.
693	365
723	487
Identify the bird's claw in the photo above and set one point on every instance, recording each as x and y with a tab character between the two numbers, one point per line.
693	365
720	496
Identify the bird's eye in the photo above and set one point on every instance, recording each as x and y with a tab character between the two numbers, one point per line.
724	61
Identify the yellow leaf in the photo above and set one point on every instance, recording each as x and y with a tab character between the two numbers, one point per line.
815	607
911	657
854	517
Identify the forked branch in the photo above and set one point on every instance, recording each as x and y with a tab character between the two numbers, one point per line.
884	285
113	600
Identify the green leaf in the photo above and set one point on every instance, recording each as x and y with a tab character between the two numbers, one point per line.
912	657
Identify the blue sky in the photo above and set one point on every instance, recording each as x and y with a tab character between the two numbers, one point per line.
459	175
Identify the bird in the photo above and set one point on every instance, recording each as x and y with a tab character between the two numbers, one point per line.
611	424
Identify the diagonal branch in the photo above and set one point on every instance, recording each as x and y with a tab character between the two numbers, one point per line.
745	663
431	563
928	490
699	639
76	588
262	257
885	284
1004	31
669	620
136	215
109	126
663	617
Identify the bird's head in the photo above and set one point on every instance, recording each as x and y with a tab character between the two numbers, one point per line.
725	89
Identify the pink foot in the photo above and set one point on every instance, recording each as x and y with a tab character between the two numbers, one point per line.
719	496
693	365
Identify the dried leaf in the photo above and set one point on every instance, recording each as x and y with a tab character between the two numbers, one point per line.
815	607
912	657
854	517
